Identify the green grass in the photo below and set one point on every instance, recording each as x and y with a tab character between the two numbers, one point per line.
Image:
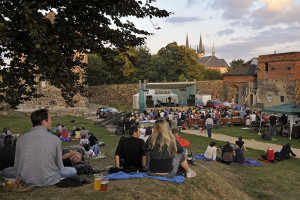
214	180
237	131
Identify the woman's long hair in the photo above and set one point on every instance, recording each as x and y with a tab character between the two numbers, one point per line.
163	130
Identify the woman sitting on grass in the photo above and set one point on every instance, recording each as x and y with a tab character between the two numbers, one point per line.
84	140
65	136
241	143
164	154
227	154
211	151
286	151
238	155
269	154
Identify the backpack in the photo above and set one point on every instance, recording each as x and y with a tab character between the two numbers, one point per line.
83	168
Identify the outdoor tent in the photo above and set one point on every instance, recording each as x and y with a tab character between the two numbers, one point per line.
289	108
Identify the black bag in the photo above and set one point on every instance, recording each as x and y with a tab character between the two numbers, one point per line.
73	181
83	168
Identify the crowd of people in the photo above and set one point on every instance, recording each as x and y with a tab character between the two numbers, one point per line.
161	151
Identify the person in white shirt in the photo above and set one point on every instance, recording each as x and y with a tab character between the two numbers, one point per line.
209	124
211	151
84	140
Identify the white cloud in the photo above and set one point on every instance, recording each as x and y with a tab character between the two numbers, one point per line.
225	32
191	3
183	19
233	9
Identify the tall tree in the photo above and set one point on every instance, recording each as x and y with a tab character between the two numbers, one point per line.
173	60
235	63
100	73
211	74
39	49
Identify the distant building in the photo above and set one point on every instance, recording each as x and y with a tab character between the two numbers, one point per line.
210	62
268	81
239	84
278	79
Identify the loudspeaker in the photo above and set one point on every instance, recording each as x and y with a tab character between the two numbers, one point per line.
150	103
192	96
191	102
149	98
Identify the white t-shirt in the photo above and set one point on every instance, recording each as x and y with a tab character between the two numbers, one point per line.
84	141
211	152
253	117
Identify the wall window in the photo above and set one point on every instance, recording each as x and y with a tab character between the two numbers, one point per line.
281	98
267	67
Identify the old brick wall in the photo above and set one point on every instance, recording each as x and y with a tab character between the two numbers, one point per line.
53	101
231	83
122	94
105	95
214	88
280	80
112	94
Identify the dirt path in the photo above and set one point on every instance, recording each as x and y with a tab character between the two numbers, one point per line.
251	143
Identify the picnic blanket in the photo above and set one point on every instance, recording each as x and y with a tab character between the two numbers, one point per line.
123	175
249	162
267	160
201	157
66	140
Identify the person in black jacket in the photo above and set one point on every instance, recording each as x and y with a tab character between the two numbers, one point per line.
287	151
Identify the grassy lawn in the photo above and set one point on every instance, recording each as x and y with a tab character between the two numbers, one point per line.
237	131
214	180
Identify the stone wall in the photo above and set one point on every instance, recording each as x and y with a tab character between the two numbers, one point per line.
122	94
53	101
112	94
270	92
214	88
105	95
278	78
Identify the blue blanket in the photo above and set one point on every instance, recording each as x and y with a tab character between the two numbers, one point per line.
251	162
201	157
123	175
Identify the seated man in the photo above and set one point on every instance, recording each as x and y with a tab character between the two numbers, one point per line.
7	153
38	158
266	136
131	151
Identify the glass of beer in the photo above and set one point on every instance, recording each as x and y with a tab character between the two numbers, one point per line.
97	180
104	183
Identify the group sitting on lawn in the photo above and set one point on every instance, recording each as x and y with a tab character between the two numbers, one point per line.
39	162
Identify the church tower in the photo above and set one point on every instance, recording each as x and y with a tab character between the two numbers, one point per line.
187	42
200	49
213	49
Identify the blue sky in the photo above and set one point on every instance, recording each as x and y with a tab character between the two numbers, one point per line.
239	28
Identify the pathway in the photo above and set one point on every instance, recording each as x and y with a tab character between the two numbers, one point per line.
251	143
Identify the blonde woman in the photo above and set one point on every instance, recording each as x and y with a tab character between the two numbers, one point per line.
164	153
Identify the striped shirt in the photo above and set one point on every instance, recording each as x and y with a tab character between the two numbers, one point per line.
38	157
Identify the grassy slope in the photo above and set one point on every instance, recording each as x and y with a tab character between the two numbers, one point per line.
213	181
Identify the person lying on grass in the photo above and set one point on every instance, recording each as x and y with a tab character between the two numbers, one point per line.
71	159
164	153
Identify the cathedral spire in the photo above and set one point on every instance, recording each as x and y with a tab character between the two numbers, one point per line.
200	45
213	49
187	41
